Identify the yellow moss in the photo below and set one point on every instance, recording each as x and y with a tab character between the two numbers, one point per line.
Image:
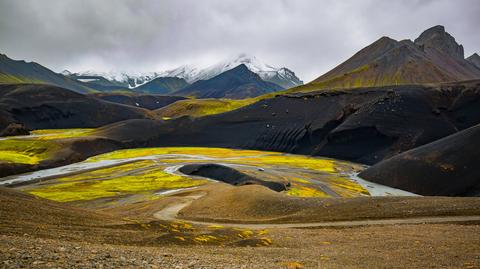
201	151
151	180
204	238
298	161
346	187
145	177
181	238
292	265
262	232
202	107
108	172
302	191
253	157
215	226
26	151
266	241
300	180
50	134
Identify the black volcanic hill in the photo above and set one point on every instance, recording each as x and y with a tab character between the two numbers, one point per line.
48	107
366	125
148	101
474	59
433	57
12	71
237	83
447	167
162	85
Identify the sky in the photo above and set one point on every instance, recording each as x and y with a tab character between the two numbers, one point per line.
309	37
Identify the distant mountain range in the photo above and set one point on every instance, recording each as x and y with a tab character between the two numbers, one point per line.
236	83
260	78
281	76
123	79
434	56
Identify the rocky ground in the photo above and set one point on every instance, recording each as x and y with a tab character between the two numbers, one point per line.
37	233
401	246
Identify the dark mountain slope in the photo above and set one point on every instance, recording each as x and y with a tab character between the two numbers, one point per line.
12	71
237	83
474	59
147	101
46	107
433	57
367	125
446	167
162	85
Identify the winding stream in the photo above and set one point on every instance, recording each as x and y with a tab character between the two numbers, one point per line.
275	172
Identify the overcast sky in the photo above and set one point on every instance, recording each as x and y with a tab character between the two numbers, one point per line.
308	36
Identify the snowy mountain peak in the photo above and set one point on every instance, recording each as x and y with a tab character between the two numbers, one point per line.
66	72
281	76
130	80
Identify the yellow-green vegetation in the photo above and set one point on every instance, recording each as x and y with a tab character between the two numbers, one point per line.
50	134
38	147
5	78
109	171
299	161
302	191
185	233
328	168
117	185
346	188
199	151
300	180
26	151
143	178
253	157
361	77
201	107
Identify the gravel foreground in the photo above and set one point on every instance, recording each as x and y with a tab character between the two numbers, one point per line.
390	246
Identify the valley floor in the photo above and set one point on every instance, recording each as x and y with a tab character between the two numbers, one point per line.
390	246
135	209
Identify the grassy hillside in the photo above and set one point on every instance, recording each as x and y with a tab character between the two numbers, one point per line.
201	107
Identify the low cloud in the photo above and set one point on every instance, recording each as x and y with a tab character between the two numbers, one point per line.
308	36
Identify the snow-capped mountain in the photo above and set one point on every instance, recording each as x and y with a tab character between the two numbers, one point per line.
281	76
130	80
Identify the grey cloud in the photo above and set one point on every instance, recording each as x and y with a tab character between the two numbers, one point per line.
308	36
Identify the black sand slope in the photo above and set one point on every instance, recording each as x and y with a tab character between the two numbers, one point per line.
48	107
447	167
366	125
229	175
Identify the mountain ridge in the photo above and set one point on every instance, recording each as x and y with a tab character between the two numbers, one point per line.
474	59
236	83
162	85
281	76
20	71
433	57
